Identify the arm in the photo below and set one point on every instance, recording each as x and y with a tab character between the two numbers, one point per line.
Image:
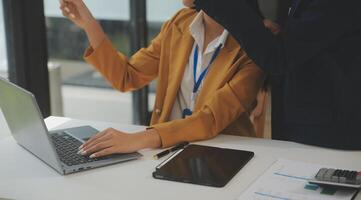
80	15
123	74
227	104
305	36
238	96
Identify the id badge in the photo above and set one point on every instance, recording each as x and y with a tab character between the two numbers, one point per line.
186	113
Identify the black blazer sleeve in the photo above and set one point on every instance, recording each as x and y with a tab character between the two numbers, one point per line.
316	26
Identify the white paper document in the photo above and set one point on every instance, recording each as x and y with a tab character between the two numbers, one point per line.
288	180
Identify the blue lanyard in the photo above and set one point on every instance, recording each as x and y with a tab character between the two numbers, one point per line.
197	83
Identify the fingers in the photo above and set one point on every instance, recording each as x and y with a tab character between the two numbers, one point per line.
69	9
274	30
108	142
67	12
76	2
92	139
98	147
272	26
104	152
86	149
62	2
64	5
277	31
99	138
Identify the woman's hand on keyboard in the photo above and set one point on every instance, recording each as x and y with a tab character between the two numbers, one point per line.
112	141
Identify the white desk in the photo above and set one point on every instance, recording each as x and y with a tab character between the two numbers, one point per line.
24	177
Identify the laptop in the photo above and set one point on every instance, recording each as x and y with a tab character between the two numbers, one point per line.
59	148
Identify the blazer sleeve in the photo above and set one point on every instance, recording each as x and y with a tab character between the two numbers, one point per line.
317	26
227	104
127	74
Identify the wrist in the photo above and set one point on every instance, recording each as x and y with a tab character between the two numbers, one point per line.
149	139
95	33
91	26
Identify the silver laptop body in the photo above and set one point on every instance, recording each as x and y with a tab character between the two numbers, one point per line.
27	126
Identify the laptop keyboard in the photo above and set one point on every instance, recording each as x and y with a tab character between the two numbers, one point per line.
67	148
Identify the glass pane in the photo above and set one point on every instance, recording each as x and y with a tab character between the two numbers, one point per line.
84	92
3	59
113	16
158	11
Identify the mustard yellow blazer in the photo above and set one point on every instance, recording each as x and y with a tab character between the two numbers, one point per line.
227	95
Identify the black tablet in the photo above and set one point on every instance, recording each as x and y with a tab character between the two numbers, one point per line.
203	165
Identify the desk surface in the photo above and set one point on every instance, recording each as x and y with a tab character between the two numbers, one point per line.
22	176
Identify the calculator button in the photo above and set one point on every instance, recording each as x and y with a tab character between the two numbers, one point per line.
342	179
351	177
321	174
335	179
358	178
336	176
329	174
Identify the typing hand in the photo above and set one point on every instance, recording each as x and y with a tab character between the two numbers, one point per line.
112	141
77	12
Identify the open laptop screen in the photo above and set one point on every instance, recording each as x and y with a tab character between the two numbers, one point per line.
26	123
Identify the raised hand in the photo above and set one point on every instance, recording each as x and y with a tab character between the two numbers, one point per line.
77	12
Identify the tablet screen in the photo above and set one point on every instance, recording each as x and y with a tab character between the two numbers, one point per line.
204	165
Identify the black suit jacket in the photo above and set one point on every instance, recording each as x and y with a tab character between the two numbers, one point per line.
319	57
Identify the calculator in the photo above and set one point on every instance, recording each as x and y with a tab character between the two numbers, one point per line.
337	178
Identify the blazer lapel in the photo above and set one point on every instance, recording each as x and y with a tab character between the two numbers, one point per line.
221	70
181	47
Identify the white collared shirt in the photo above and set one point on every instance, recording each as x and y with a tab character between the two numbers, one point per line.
183	99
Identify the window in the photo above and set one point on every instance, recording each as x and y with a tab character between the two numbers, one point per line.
3	59
159	11
84	93
66	42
